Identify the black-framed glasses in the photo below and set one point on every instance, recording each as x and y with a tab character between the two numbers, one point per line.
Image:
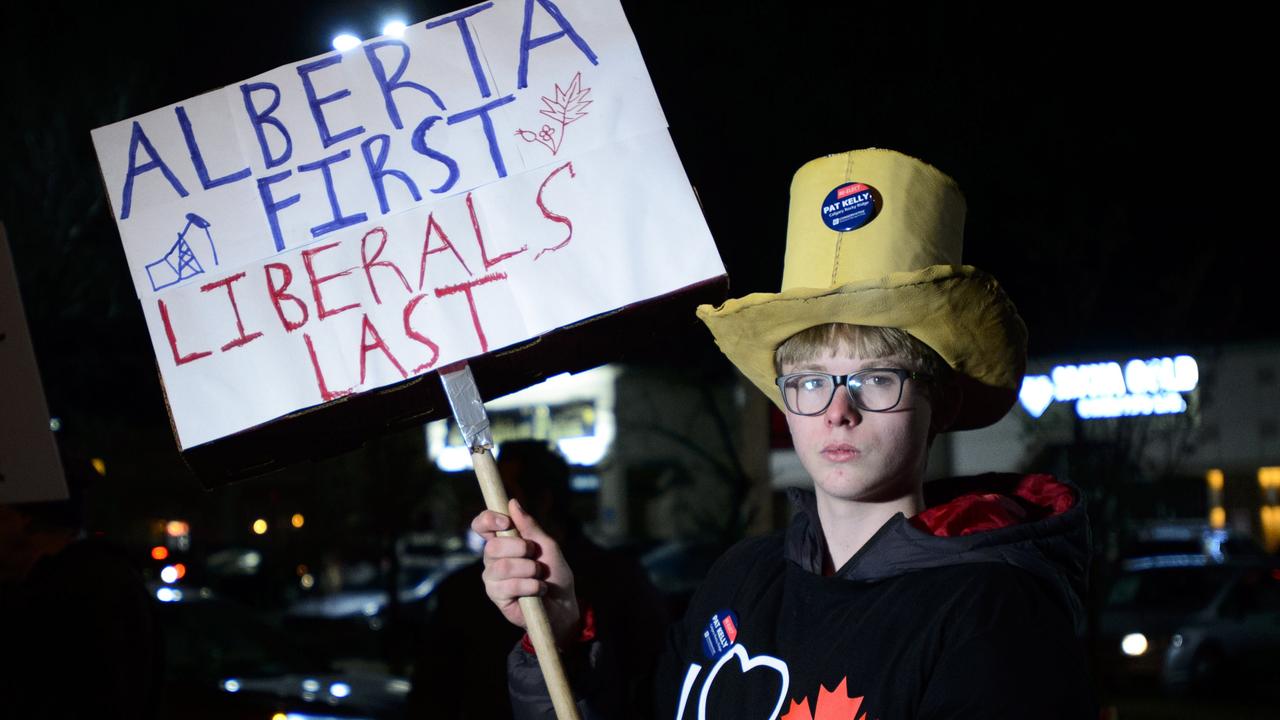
873	389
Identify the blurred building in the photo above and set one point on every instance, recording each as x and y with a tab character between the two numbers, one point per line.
658	455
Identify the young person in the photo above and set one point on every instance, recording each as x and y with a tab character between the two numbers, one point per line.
886	597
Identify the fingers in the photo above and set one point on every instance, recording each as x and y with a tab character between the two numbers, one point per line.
489	523
509	547
525	524
514	568
503	592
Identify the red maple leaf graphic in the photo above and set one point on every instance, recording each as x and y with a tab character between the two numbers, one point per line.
832	705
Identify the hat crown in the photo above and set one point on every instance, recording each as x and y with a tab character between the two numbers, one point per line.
864	214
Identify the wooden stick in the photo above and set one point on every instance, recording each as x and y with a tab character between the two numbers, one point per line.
535	615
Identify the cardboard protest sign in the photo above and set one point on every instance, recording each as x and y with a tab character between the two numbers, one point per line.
360	219
30	469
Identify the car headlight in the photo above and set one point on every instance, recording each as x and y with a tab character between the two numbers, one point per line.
1134	644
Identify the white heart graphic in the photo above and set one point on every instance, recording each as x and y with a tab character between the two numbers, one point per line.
747	663
1036	394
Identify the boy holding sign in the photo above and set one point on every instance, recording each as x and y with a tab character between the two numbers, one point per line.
884	598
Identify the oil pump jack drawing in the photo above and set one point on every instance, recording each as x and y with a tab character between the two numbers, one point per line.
181	262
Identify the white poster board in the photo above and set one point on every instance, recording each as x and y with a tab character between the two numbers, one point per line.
359	218
30	470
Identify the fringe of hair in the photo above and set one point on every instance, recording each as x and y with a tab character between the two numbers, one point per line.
864	341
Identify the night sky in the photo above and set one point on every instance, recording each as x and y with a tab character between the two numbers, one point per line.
1110	158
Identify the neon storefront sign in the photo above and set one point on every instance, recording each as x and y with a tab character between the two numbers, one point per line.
1108	389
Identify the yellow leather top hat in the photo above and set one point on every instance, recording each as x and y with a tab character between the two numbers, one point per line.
874	238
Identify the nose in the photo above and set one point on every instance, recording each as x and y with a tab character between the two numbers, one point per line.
842	411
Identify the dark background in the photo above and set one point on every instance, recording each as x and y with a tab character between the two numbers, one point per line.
1113	156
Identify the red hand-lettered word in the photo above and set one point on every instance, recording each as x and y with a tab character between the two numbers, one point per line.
445	244
321	311
465	288
178	358
484	255
553	217
325	393
370	263
241	338
366	330
413	334
277	293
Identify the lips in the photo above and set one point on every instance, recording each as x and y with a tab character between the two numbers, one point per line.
840	452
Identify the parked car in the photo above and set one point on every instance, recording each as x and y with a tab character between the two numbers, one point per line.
224	661
1193	624
1187	538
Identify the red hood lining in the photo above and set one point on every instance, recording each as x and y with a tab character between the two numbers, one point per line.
991	502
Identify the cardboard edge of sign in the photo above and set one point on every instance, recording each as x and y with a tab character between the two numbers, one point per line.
347	423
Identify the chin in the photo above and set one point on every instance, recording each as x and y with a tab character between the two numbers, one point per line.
857	487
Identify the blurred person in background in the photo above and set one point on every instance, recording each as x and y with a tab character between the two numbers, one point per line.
77	635
461	671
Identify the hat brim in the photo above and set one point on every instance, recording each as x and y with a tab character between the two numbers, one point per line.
959	311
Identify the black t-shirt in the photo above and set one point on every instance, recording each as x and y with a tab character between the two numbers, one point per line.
982	640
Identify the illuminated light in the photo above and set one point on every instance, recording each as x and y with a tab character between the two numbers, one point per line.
311	685
1130	405
561	407
1186	375
231	685
1092	380
340	690
399	687
371	609
177	528
454	459
307	581
1105	390
1036	394
1270	527
1166	561
394	29
55	424
180	569
159	552
168	594
259	527
99	466
1176	640
587	450
297	520
1217	517
279	716
169	574
1214	478
1134	644
345	41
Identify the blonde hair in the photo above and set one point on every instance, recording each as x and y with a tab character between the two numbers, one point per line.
865	341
